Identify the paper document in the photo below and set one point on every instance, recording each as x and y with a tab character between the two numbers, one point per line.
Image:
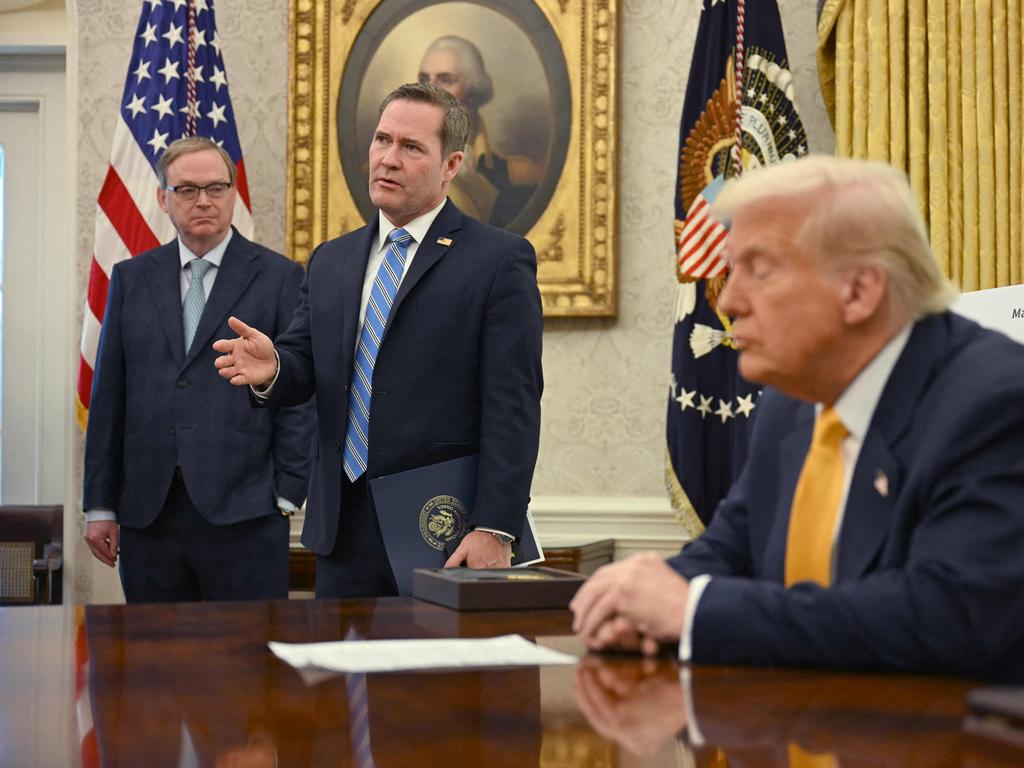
400	655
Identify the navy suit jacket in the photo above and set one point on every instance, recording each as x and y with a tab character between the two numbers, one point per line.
154	408
929	572
458	371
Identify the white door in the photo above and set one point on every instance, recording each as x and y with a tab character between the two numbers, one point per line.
19	341
33	295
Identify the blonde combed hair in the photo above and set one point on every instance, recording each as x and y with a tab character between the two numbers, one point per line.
857	211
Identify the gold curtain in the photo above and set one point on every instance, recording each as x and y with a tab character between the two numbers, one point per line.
934	87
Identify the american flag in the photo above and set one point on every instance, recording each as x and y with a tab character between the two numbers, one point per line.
702	242
740	89
176	86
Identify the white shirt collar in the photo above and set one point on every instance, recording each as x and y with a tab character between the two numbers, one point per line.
417	227
856	405
214	255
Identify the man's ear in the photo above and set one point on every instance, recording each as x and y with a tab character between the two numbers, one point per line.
452	164
161	199
864	292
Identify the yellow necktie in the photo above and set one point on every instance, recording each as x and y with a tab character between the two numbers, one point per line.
812	520
801	758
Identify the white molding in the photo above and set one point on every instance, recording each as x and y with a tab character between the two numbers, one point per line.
635	523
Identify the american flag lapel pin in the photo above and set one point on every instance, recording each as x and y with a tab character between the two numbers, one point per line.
444	241
881	483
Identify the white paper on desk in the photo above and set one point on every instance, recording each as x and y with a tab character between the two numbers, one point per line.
402	655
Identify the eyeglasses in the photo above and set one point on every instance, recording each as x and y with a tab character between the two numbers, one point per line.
190	192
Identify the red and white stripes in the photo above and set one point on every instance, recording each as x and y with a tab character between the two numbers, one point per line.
701	243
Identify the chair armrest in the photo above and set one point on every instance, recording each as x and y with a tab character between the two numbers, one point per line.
51	561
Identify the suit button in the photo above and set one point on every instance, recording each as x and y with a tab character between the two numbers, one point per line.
338	447
182	383
172	430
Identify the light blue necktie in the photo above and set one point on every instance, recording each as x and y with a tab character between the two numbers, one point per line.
195	299
382	295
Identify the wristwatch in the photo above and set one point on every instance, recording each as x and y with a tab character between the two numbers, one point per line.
503	538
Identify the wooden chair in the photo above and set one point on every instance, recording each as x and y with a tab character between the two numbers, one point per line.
31	554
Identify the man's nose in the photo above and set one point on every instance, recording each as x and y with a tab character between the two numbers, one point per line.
728	299
390	157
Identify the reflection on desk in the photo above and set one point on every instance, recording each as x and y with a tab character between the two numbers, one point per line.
194	684
763	717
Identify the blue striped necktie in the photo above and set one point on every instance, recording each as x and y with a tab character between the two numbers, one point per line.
382	295
195	299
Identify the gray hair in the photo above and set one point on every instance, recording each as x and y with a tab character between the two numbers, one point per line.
479	88
186	146
454	126
857	211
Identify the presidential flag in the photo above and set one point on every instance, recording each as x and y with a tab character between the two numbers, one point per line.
739	112
176	86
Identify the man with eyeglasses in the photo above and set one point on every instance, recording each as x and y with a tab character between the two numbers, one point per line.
184	480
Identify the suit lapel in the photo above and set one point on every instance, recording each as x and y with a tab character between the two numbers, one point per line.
442	235
353	273
876	484
164	278
237	270
870	505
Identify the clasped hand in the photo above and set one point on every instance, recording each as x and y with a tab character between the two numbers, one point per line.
635	604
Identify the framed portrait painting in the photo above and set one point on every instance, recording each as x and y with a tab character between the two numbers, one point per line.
538	78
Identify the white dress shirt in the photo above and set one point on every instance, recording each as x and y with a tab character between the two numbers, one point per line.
214	257
417	228
855	407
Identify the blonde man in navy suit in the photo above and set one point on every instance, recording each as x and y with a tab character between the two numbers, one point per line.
905	558
457	369
182	477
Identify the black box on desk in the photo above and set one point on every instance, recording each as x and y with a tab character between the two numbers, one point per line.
496	589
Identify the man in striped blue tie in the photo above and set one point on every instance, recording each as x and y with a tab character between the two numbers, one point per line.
420	335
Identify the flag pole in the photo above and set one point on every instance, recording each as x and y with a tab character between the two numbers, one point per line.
190	104
737	148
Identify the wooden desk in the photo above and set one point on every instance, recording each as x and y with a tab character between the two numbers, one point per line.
166	685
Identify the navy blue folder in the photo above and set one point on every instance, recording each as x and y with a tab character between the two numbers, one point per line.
423	514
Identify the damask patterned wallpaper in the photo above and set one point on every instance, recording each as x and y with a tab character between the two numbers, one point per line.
606	380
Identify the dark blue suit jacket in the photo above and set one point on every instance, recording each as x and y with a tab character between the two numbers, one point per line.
154	408
929	567
458	371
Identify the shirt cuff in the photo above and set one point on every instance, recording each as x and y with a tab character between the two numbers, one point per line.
263	393
693	732
494	530
99	515
697	585
283	503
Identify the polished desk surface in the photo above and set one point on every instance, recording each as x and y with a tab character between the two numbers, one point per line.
195	685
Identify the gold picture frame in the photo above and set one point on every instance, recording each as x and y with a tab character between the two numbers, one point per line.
557	130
